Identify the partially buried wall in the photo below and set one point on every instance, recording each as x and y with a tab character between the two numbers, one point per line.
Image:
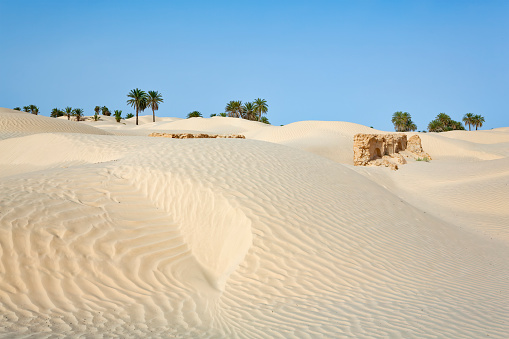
387	150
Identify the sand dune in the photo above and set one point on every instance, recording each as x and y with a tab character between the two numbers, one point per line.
272	236
14	123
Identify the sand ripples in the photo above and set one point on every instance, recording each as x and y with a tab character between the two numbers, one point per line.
233	238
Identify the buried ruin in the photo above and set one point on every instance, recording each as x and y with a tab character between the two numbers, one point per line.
388	150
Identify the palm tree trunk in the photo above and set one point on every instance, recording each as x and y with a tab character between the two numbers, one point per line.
153	115
136	115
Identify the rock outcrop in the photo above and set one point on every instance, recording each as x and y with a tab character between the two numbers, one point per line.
195	136
388	150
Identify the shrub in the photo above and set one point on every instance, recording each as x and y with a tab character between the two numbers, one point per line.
118	115
194	114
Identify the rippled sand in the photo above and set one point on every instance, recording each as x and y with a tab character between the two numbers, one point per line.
105	232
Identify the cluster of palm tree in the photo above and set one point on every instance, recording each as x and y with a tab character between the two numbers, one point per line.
142	100
29	109
471	119
443	123
403	122
68	111
250	110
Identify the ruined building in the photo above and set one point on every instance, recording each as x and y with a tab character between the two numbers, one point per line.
388	150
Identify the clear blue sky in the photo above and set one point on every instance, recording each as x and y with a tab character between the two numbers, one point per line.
357	61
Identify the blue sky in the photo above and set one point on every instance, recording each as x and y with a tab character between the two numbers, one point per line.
357	61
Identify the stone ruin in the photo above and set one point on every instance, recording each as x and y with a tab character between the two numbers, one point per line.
388	150
196	136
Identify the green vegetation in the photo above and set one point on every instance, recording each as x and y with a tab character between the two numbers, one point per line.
105	111
78	113
29	109
68	112
422	159
154	98
234	109
138	100
478	121
55	113
261	107
129	116
118	115
443	123
249	110
468	120
265	120
97	109
194	114
17	108
403	122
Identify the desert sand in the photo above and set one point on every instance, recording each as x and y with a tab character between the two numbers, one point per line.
106	232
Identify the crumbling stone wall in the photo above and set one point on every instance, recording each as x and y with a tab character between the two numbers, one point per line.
200	135
385	149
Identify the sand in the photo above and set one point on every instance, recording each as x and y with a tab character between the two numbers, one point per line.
106	232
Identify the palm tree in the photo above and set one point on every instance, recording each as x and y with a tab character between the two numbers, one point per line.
222	115
265	120
478	121
129	116
399	121
68	112
105	111
408	124
468	119
138	101
261	107
154	98
78	113
249	111
435	126
234	109
411	126
456	125
118	115
26	109
17	109
229	109
238	109
33	109
194	114
55	113
444	119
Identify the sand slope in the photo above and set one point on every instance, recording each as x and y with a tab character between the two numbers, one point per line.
130	236
15	123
